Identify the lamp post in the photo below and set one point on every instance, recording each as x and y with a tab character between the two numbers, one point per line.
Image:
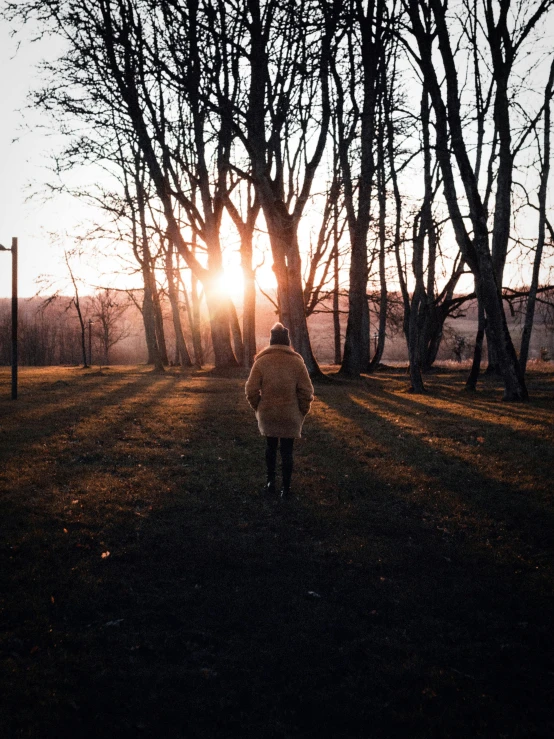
14	314
90	322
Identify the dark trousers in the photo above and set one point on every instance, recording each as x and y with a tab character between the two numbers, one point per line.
285	446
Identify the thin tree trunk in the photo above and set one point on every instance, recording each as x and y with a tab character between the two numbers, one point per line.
235	330
449	138
194	318
77	305
249	317
382	196
336	285
159	322
471	382
246	231
182	353
154	356
531	300
416	377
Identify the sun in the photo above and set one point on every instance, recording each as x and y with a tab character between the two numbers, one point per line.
231	282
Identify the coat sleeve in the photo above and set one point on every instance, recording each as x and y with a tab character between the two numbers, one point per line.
253	386
304	390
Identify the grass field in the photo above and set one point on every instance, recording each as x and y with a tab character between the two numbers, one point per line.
149	589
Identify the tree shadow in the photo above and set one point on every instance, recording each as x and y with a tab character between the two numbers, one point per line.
345	611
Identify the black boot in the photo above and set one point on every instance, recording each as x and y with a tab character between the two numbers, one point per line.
287	475
286	459
271	463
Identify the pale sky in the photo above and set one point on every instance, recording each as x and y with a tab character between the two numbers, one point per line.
24	157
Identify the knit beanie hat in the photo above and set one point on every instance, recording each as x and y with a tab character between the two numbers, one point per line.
279	335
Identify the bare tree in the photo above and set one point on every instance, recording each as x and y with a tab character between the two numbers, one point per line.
544	174
287	47
357	70
429	23
108	307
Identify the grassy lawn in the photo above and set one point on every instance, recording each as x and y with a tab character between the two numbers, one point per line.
148	589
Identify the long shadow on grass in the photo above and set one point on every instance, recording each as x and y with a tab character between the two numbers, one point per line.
235	616
470	484
498	443
489	395
23	430
341	613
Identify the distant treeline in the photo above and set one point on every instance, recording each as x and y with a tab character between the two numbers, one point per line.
50	333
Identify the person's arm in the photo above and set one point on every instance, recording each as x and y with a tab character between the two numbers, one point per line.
253	386
304	390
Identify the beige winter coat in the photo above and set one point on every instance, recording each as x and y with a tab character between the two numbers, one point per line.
280	391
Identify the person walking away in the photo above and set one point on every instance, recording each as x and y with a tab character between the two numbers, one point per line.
280	391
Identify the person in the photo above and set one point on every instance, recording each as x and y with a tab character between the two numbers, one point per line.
280	391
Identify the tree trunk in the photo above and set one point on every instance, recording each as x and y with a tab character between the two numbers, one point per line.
193	313
235	330
182	353
154	356
356	343
159	323
414	343
194	318
83	337
336	302
382	195
471	382
499	335
219	325
249	318
432	333
475	248
531	300
288	271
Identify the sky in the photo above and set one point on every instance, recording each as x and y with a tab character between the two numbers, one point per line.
43	226
26	142
23	156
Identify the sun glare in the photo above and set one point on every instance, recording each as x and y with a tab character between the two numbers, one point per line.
231	282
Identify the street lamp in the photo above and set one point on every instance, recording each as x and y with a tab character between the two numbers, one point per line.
90	322
14	314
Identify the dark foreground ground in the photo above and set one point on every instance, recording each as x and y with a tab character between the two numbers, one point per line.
148	589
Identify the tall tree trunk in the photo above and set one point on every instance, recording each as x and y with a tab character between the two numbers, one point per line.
249	317
336	285
382	195
450	138
246	231
283	238
369	23
471	382
159	322
235	330
218	311
154	356
531	300
193	312
194	317
414	343
182	353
